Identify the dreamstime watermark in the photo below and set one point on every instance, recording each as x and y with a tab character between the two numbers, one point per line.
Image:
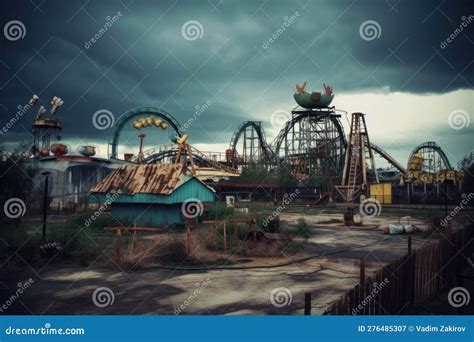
192	208
14	208
103	296
465	22
288	21
370	207
192	30
14	30
103	119
458	208
102	208
279	118
458	296
13	120
370	30
280	297
110	21
286	200
197	291
199	110
46	330
22	287
458	119
377	287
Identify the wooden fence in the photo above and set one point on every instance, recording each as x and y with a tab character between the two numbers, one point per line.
410	280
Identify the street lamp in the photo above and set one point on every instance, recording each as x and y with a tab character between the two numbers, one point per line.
45	201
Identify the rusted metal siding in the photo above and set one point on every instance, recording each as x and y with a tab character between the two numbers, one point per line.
147	215
160	179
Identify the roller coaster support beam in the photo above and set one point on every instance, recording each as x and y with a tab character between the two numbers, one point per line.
181	147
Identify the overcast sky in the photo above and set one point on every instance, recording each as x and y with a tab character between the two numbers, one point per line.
244	58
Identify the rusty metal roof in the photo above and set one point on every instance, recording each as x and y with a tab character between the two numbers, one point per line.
160	179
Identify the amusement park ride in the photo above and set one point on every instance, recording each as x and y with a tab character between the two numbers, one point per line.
43	128
254	146
428	164
312	142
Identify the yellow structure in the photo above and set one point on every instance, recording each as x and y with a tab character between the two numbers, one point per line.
451	175
416	162
413	175
157	122
414	167
137	125
427	177
183	139
148	122
416	175
210	173
382	192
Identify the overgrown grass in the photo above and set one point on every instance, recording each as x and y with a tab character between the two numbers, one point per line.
219	211
268	223
160	249
78	241
230	234
303	230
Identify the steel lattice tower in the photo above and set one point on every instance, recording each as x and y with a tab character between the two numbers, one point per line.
359	159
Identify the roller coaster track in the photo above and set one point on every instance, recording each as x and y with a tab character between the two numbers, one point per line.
267	152
135	113
315	116
276	143
381	152
435	147
158	153
429	144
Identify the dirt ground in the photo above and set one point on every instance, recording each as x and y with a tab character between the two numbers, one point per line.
331	269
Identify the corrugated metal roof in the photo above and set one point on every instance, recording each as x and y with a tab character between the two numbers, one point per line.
161	179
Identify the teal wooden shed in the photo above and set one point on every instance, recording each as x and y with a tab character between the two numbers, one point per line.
153	195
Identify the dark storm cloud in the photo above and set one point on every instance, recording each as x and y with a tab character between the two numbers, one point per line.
143	59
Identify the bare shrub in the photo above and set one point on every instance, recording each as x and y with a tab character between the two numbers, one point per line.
270	249
153	250
201	243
